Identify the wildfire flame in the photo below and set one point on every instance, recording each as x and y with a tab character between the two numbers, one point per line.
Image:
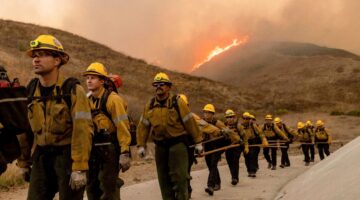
219	50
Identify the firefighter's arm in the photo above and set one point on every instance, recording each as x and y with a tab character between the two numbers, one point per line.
292	132
259	132
243	135
207	128
119	117
329	137
143	128
232	135
280	133
82	130
189	121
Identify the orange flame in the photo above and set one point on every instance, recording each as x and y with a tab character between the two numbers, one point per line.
218	50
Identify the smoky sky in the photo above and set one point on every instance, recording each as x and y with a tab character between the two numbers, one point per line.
177	34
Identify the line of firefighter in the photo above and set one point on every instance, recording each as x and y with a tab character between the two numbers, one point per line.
83	140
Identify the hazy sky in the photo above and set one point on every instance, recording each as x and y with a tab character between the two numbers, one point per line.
177	34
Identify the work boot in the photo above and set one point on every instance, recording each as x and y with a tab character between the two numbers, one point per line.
252	175
217	187
287	165
282	166
312	160
234	181
209	190
307	163
273	167
269	165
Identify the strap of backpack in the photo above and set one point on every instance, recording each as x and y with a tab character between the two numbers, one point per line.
175	104
103	102
31	87
67	89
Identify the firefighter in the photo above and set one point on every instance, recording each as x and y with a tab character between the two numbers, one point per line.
310	127
214	181
233	155
207	130
60	119
169	121
272	133
252	136
291	134
306	138
322	139
110	147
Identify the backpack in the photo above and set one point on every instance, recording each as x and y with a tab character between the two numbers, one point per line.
103	109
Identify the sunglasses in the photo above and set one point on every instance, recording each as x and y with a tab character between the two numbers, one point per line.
158	84
230	117
246	118
41	54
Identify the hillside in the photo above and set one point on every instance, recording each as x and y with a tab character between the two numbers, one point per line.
136	73
292	76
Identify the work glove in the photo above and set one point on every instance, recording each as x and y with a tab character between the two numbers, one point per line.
124	162
25	173
77	180
264	143
246	149
199	149
141	151
225	134
287	139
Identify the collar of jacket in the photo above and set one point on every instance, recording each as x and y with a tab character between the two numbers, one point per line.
167	104
101	93
58	84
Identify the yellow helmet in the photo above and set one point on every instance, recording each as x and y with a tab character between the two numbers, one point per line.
229	113
268	116
308	123
96	68
209	108
161	78
47	42
300	125
184	98
277	120
252	117
246	115
319	123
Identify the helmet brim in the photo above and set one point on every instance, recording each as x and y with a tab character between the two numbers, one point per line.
65	57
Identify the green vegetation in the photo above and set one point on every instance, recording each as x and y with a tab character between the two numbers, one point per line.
355	113
281	111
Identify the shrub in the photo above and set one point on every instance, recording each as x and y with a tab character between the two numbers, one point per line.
336	112
281	111
354	113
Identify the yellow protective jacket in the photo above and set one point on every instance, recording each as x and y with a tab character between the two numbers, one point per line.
322	135
305	135
58	125
117	108
236	129
271	131
290	133
231	134
208	130
251	131
164	122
